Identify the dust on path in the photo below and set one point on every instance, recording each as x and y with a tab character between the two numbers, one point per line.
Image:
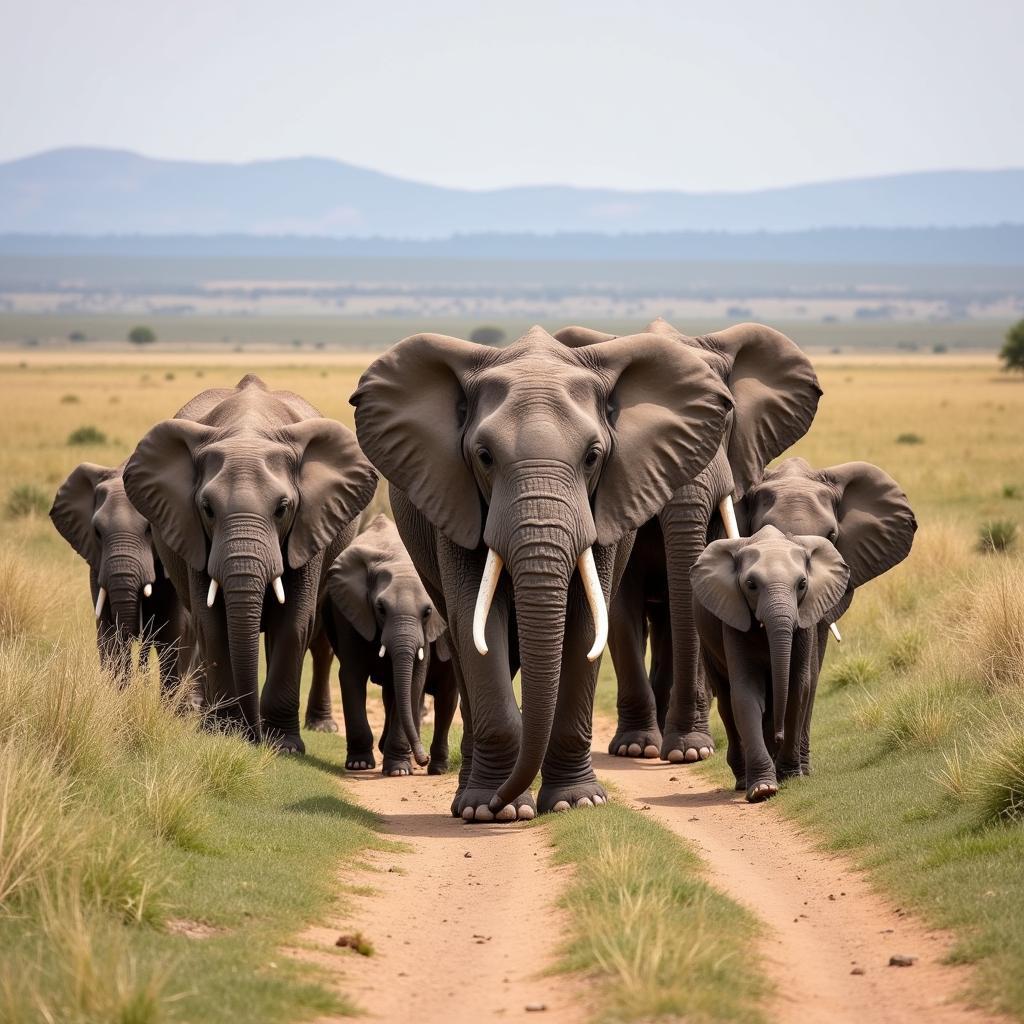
823	917
465	925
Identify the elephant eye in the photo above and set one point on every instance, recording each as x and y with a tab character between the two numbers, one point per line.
381	610
590	459
802	585
833	535
426	612
282	508
485	457
751	584
207	508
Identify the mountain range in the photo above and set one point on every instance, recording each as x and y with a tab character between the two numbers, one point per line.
83	191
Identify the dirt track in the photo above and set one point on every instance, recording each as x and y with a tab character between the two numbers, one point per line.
467	938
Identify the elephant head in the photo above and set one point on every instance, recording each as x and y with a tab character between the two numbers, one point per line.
93	514
856	505
374	584
539	451
240	503
783	582
774	388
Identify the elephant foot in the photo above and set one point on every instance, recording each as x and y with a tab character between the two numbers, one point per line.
437	766
472	805
558	798
326	724
285	742
784	772
636	742
396	766
686	748
356	762
762	791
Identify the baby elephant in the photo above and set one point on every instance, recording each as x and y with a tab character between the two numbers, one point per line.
381	624
756	601
133	598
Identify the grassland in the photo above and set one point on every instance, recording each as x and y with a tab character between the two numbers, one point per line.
919	735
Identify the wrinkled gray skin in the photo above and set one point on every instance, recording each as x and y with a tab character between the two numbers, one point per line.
857	506
757	602
775	393
537	452
376	601
242	486
93	514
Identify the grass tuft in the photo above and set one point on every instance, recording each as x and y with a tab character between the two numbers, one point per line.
909	438
87	435
853	670
997	536
27	500
996	790
23	600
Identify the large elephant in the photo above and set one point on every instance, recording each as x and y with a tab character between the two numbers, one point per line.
775	394
758	601
131	594
856	505
251	494
383	626
542	459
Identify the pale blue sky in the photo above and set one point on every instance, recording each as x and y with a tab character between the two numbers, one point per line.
641	94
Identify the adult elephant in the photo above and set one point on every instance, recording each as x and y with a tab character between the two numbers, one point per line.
251	494
543	459
857	506
131	594
775	394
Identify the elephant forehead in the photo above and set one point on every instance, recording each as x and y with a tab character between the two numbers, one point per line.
111	500
775	556
247	456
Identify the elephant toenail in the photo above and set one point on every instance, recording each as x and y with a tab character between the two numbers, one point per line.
675	756
561	805
526	813
507	813
483	813
705	753
622	750
691	755
598	799
584	801
467	813
634	750
650	750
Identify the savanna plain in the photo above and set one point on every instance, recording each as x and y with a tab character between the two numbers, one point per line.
150	871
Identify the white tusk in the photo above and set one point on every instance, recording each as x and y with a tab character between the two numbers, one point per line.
380	653
834	630
485	595
147	590
728	513
100	602
595	598
278	589
211	594
419	654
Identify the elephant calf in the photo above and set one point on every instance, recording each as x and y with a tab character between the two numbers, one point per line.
132	596
384	627
756	602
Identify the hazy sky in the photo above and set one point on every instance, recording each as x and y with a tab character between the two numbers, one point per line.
627	93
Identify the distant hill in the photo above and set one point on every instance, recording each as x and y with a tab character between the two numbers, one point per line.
99	191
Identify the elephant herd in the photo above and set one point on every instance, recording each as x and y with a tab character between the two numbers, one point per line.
565	493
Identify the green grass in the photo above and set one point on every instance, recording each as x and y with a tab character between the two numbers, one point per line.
659	942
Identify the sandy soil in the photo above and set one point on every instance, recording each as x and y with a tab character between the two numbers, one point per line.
823	918
463	924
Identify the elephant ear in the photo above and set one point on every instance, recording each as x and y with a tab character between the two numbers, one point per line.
410	410
578	337
716	583
441	648
667	412
828	577
434	627
160	481
73	508
876	523
335	482
349	587
776	392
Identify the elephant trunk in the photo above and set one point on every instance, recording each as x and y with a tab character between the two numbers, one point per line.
404	642
243	564
780	624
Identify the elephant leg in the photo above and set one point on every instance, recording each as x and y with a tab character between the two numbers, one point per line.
567	775
661	659
719	680
804	658
637	733
466	745
394	746
684	523
353	673
748	687
319	717
446	697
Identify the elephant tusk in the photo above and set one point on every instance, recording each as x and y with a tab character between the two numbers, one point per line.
595	598
728	513
211	594
278	589
834	630
100	602
147	590
380	653
488	585
419	654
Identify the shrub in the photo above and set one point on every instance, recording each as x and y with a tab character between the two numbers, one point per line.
87	435
142	335
77	336
910	438
27	500
1011	491
998	535
1012	353
69	400
487	335
168	376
